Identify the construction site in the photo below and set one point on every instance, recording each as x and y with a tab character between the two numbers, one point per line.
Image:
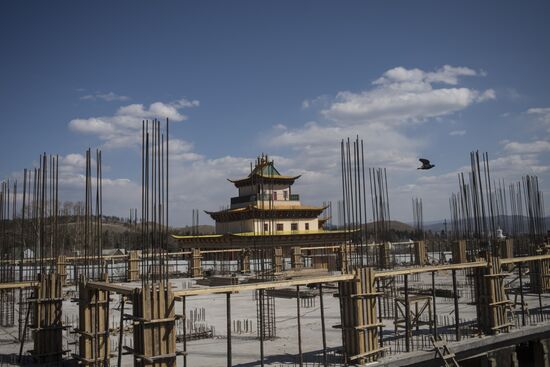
277	284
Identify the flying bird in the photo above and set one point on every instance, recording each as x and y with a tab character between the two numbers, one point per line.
425	164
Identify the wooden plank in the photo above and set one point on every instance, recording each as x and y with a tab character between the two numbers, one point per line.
525	259
264	285
429	269
110	287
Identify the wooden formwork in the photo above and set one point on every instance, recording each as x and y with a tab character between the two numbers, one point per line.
47	327
539	273
61	269
278	260
417	306
320	261
506	251
420	253
154	321
358	299
93	326
459	252
133	266
296	259
492	301
195	270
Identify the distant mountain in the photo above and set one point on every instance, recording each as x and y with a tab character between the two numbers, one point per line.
395	225
437	226
202	229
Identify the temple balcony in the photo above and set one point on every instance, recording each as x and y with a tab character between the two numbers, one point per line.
265	200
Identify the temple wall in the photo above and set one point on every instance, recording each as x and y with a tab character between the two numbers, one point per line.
248	225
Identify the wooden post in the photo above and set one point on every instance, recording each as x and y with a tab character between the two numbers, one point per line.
133	266
407	315
297	262
455	297
434	302
420	254
520	271
195	270
323	330
121	332
228	319
459	252
245	261
61	269
184	313
300	355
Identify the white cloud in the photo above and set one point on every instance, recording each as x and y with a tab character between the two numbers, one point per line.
182	150
538	146
542	114
123	128
385	116
379	115
108	97
403	95
457	133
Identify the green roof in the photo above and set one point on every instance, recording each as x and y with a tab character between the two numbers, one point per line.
267	170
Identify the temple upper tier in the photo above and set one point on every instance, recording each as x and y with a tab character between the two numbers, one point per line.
266	204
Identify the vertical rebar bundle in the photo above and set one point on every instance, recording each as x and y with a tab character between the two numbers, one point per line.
154	202
353	208
483	212
418	218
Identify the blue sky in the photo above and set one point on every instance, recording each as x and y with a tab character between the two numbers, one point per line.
289	78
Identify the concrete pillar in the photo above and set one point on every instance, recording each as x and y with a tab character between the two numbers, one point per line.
244	262
93	326
541	352
343	258
278	260
504	357
385	256
47	326
154	326
492	300
359	319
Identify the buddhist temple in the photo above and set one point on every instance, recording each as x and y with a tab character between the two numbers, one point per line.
265	206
